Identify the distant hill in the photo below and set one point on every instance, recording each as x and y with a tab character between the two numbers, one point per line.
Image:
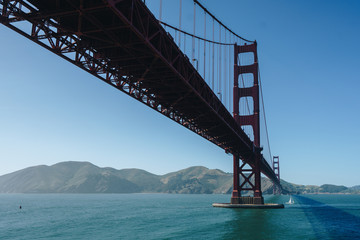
84	177
313	189
356	187
66	177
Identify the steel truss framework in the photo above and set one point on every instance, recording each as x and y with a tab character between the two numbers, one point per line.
123	44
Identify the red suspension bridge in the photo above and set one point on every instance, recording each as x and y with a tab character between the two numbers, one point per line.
195	74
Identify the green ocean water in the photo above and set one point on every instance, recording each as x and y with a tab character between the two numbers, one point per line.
172	216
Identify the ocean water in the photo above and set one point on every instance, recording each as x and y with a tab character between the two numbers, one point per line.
172	216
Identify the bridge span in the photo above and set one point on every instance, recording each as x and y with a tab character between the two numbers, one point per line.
122	43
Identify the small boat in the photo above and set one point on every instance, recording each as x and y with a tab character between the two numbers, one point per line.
291	201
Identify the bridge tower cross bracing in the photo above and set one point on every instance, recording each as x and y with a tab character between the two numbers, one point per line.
247	171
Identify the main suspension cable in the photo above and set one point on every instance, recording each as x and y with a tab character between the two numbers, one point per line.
193	35
263	108
204	8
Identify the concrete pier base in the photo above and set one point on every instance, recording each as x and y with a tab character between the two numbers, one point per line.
247	200
254	206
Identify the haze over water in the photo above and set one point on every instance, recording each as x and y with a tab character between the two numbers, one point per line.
174	216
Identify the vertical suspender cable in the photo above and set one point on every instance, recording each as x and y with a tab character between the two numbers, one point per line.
219	80
204	45
185	43
230	85
225	72
180	23
175	34
217	69
193	39
198	57
160	11
213	57
209	63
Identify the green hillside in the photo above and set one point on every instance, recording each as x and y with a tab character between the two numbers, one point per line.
84	177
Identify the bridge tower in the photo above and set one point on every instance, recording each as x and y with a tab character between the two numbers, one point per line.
246	172
276	168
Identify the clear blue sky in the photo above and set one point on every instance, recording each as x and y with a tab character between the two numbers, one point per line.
51	111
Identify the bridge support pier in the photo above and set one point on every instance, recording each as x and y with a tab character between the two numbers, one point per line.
236	194
241	182
246	184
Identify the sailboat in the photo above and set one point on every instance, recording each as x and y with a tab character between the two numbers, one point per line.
291	201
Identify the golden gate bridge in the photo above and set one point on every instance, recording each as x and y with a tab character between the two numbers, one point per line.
201	75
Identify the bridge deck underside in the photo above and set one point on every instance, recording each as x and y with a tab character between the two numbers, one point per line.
123	44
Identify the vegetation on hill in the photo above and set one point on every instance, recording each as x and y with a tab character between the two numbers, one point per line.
84	177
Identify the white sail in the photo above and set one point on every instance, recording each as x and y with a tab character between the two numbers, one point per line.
291	201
